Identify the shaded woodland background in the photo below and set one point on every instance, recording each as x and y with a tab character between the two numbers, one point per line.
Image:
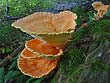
85	60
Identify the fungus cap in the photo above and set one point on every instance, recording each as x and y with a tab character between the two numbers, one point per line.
97	5
59	39
43	48
36	67
101	8
27	54
46	22
53	28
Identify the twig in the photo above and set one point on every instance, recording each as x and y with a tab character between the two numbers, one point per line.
8	17
106	17
9	57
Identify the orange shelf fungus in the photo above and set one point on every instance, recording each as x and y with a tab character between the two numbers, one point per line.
100	8
43	49
53	28
36	67
40	60
27	54
51	32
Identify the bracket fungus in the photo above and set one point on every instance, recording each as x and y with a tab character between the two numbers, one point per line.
43	49
36	67
27	54
53	28
40	60
52	32
100	8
